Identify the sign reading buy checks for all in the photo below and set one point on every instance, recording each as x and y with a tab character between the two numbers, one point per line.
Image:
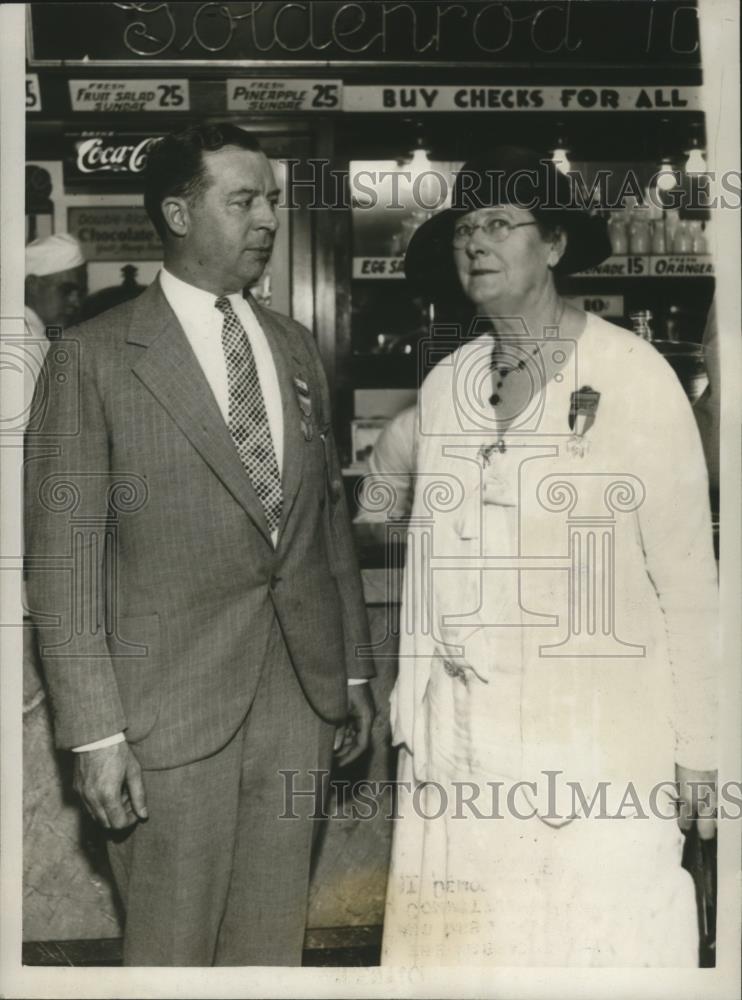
517	98
279	95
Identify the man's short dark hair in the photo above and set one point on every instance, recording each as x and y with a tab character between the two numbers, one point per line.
175	164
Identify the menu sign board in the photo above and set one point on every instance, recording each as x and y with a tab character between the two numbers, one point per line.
109	232
666	266
682	265
598	305
33	94
126	96
283	95
515	98
378	267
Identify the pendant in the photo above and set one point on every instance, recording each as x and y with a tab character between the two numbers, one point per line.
577	446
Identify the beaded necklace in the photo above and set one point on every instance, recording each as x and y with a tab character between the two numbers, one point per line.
503	372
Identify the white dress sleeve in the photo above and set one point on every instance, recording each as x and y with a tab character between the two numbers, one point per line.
676	534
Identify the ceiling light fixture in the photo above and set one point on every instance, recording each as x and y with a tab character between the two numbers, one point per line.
666	179
696	163
560	159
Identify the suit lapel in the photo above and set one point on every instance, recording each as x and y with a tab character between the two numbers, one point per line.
171	372
288	367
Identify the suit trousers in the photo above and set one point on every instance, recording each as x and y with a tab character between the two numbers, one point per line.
215	876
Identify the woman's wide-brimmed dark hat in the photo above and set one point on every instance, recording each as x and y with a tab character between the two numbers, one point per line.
507	175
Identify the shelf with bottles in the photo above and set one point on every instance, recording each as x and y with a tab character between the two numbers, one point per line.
646	240
648	228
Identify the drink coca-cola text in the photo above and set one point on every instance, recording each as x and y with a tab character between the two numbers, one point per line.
94	155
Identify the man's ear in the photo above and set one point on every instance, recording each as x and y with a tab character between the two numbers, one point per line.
176	215
558	246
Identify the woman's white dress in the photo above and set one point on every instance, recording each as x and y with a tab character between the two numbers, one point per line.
559	625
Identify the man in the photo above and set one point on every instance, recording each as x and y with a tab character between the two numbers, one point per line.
55	286
208	636
55	283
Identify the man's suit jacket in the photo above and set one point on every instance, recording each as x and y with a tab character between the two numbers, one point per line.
152	578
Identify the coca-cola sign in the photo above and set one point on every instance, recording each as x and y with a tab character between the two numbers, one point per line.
107	158
95	154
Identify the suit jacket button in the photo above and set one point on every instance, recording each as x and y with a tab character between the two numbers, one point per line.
274	581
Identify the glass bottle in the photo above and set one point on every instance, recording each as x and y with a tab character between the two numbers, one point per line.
682	242
641	323
659	245
639	237
617	234
708	235
676	321
697	237
672	218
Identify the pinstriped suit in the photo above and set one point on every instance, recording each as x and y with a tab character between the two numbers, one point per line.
183	606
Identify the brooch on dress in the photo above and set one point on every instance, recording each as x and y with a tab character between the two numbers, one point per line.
486	451
583	407
304	400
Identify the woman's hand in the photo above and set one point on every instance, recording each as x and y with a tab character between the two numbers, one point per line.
696	800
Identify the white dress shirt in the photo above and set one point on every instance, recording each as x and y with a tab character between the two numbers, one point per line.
202	323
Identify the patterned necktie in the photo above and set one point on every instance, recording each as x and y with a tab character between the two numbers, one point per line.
248	420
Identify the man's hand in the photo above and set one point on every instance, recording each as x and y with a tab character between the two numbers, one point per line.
109	782
352	738
696	800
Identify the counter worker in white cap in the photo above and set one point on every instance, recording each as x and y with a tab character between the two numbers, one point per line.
55	287
56	283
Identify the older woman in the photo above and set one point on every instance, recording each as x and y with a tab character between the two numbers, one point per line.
558	660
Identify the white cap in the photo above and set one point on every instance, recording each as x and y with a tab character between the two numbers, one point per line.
51	254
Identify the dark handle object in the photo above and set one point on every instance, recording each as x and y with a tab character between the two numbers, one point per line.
699	859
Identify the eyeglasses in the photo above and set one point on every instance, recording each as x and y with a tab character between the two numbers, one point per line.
495	229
